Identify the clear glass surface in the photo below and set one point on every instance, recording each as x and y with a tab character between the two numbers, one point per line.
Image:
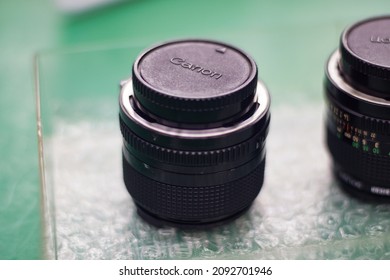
301	213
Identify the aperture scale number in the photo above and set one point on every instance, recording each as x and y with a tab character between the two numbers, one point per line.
364	140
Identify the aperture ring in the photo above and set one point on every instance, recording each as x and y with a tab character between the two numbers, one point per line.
377	125
195	158
343	116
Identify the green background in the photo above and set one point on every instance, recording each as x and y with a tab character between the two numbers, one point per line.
290	40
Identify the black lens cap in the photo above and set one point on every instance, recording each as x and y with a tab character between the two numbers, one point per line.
195	81
365	55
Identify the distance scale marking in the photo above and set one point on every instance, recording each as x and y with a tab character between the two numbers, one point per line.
347	129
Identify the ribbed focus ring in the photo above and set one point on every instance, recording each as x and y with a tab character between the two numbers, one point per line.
193	204
367	167
193	158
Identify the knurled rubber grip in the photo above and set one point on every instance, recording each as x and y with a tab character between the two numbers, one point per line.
194	205
364	166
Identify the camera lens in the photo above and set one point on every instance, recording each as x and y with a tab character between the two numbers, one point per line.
194	120
357	89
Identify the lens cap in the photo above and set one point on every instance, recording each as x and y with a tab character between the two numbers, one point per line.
195	81
365	49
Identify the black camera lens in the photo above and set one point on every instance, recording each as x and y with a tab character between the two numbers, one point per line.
194	120
357	89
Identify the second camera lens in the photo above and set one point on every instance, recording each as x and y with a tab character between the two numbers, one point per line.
357	87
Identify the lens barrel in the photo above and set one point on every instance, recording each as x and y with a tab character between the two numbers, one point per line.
194	120
357	90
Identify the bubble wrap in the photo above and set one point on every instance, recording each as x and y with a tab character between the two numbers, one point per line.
300	213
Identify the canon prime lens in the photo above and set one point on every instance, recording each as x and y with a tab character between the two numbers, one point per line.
357	88
194	119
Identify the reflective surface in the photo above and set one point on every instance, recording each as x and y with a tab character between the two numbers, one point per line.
290	40
300	212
